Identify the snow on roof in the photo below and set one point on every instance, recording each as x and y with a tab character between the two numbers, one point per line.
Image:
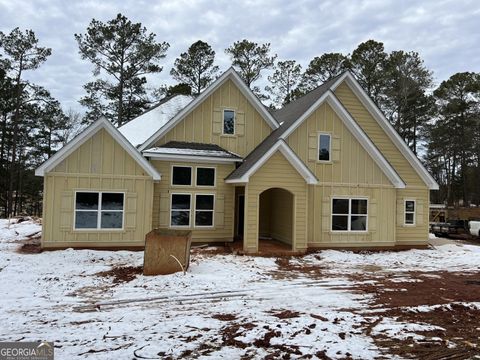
138	130
191	152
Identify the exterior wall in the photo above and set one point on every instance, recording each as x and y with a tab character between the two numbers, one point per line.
413	234
224	211
100	164
381	225
204	123
275	173
415	187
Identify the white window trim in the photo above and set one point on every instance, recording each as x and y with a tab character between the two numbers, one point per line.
99	211
192	180
214	176
329	147
189	211
349	215
195	212
405	212
234	122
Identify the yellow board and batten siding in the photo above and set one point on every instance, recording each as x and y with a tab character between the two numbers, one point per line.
350	173
99	164
415	187
276	172
204	123
222	229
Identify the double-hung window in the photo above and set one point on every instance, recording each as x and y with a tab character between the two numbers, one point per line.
204	205
99	210
324	147
228	122
349	214
180	209
410	208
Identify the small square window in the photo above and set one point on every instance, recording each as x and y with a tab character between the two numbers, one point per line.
99	210
182	175
228	122
324	141
205	176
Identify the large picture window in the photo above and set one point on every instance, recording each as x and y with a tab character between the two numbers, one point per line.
228	122
349	214
181	175
180	210
204	205
205	176
324	141
99	210
410	208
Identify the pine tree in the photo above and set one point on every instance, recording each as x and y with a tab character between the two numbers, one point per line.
284	81
196	67
250	59
323	68
125	52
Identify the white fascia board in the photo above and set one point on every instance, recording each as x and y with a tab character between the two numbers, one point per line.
190	158
229	74
298	164
76	142
387	128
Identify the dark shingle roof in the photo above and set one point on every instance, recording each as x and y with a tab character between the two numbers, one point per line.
285	116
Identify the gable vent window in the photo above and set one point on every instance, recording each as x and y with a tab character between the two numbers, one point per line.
410	212
228	122
99	210
349	214
324	148
181	175
205	176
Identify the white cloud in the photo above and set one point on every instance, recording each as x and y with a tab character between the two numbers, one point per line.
445	33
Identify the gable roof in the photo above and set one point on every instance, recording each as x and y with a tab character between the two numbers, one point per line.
91	130
288	126
252	163
140	128
387	127
229	74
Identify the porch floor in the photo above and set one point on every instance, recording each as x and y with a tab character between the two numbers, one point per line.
266	247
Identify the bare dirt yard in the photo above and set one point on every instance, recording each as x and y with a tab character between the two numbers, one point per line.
416	304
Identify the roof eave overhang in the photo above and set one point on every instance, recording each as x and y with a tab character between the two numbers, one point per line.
373	109
190	158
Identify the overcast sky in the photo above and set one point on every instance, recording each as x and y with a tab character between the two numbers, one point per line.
445	33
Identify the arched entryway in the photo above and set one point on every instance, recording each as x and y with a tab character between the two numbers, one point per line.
276	226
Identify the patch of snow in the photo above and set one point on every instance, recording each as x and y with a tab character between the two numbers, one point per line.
162	316
193	152
139	129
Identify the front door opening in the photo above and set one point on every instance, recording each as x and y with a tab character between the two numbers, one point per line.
275	222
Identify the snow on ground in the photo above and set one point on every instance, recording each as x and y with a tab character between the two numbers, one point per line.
226	306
